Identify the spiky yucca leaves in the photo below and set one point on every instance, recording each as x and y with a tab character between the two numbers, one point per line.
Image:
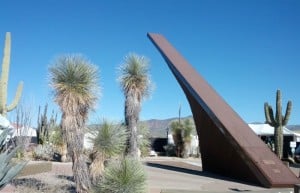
109	140
74	81
8	169
123	176
136	84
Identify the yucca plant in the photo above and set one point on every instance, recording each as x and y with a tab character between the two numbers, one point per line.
135	82
75	83
8	169
109	140
123	176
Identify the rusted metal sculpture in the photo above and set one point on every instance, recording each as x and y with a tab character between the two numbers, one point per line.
228	145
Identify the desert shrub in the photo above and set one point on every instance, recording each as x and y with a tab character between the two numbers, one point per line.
144	140
43	152
170	150
123	176
109	140
56	136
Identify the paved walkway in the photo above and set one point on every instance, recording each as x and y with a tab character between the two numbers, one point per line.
175	175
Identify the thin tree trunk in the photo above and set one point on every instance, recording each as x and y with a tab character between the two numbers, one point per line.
132	110
80	172
133	145
75	139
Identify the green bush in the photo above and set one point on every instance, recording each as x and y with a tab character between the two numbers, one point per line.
43	152
123	176
109	141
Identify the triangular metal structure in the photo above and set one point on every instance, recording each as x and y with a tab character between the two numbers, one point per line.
228	145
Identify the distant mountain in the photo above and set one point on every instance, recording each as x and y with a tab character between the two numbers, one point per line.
295	128
158	128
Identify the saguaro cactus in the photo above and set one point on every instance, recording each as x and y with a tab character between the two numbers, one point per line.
4	108
278	122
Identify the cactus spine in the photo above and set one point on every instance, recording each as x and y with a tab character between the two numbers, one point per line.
278	122
4	108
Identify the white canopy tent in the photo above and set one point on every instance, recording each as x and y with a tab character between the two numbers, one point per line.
266	130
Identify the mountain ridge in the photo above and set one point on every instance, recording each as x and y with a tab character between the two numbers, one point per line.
158	128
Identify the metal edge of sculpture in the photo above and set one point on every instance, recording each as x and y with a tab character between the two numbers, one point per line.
228	146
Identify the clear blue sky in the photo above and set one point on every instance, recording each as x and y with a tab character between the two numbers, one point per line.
245	49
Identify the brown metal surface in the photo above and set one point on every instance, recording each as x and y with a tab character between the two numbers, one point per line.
228	145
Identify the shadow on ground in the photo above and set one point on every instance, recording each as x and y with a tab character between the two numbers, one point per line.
195	170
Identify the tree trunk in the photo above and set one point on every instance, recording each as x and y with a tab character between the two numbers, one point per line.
75	139
80	172
96	167
132	110
133	145
187	149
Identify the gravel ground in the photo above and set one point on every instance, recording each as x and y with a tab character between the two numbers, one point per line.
59	180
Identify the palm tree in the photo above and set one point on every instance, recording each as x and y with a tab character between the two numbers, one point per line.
187	137
177	128
74	81
135	82
182	136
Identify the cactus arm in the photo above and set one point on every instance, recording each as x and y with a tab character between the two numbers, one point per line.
269	115
2	105
17	98
5	71
287	113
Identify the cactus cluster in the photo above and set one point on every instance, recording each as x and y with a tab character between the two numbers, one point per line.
8	169
278	121
4	108
42	132
45	125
